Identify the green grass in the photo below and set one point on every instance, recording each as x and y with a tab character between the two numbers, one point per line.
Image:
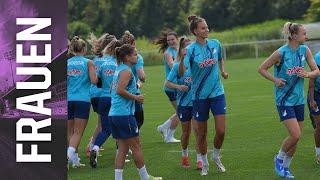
253	135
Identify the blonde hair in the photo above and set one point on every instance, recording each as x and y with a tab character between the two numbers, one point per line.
77	45
127	38
99	44
112	46
289	29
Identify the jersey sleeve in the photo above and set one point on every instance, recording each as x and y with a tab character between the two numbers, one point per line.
173	73
214	43
281	51
140	62
187	58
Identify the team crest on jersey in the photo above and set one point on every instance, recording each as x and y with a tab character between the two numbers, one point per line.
113	85
187	79
116	73
214	50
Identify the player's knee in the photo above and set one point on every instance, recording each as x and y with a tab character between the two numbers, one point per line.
76	131
185	135
220	132
135	147
201	136
296	136
317	129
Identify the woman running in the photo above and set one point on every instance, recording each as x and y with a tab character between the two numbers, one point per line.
98	46
289	62
81	73
123	124
184	102
314	103
138	72
105	73
168	42
204	58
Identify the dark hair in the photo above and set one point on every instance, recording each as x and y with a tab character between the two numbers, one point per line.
193	22
123	51
127	38
77	45
99	44
161	41
182	44
112	46
290	28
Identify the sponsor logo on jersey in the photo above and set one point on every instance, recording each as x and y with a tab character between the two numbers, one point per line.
73	72
294	70
75	63
109	72
208	62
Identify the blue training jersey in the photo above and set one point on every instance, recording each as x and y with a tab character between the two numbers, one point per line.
292	61
121	106
183	98
203	60
94	90
171	51
106	72
135	69
78	79
317	80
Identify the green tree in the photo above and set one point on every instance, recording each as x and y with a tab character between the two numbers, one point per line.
290	9
249	11
216	13
78	28
313	13
151	17
75	9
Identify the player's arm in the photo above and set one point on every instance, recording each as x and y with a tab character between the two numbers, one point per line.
182	66
270	61
172	77
169	60
224	74
313	103
314	69
141	75
92	73
140	70
124	78
172	85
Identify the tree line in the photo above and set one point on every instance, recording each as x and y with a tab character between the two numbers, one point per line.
148	17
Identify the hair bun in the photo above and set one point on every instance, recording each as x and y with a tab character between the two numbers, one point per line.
127	32
192	18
